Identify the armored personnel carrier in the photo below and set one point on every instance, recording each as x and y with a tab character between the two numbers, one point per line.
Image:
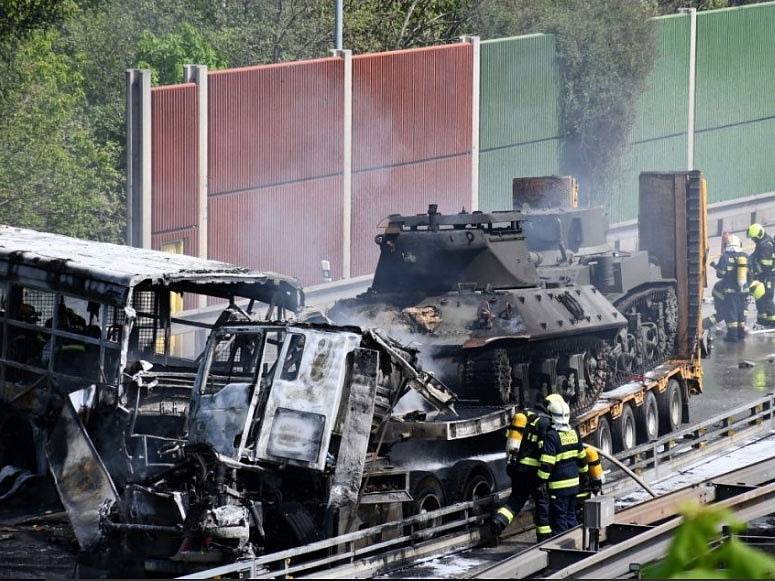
502	323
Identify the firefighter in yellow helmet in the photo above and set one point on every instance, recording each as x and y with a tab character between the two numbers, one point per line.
523	447
732	271
761	263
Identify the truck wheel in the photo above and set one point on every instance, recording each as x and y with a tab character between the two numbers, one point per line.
602	439
623	431
291	526
648	419
469	480
670	402
427	495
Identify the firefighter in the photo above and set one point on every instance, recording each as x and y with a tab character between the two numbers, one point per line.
563	461
761	265
523	445
732	271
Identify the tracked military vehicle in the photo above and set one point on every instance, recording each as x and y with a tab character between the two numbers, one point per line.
503	309
570	247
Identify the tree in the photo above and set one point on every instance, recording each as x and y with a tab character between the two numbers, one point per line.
607	50
165	55
53	175
374	25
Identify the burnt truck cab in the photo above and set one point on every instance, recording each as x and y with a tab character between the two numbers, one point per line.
98	353
282	443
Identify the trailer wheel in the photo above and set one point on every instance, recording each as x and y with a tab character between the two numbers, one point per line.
291	526
469	480
427	495
624	431
602	438
648	419
670	404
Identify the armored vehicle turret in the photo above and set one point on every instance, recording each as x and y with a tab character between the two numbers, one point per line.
489	318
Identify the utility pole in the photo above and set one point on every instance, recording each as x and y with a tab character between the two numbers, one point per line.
339	24
692	13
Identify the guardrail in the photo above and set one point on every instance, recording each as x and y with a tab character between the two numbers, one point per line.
460	526
674	450
366	545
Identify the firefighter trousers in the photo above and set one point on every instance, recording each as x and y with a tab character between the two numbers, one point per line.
734	306
524	485
719	303
562	513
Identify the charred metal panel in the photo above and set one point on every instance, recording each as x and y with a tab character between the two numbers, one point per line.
356	430
174	146
274	124
83	483
411	105
107	271
403	189
288	228
220	418
302	408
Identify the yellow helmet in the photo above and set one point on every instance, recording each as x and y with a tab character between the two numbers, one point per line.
755	231
756	289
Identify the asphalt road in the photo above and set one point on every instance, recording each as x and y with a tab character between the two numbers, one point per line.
726	385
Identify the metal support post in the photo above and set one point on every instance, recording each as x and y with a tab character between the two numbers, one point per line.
347	159
339	32
475	92
198	74
692	12
138	158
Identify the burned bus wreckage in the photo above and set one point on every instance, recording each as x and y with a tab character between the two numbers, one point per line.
175	441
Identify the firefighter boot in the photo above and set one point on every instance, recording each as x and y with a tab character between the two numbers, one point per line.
501	520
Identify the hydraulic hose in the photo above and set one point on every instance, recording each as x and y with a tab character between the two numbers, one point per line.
624	468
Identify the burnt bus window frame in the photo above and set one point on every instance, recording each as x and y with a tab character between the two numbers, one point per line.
107	311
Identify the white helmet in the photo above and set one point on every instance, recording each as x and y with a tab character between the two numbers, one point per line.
733	243
559	411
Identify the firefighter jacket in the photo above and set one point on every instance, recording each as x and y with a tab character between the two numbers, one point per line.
732	271
761	259
526	437
563	459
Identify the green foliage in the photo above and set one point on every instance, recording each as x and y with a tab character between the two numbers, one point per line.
693	553
374	25
165	55
53	175
20	17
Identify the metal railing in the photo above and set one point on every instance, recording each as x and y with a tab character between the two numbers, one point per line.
675	449
462	519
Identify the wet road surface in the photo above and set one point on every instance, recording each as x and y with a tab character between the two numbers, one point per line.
726	385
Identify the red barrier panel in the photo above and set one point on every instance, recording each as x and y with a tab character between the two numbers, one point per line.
274	124
174	143
288	228
411	138
411	105
404	189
